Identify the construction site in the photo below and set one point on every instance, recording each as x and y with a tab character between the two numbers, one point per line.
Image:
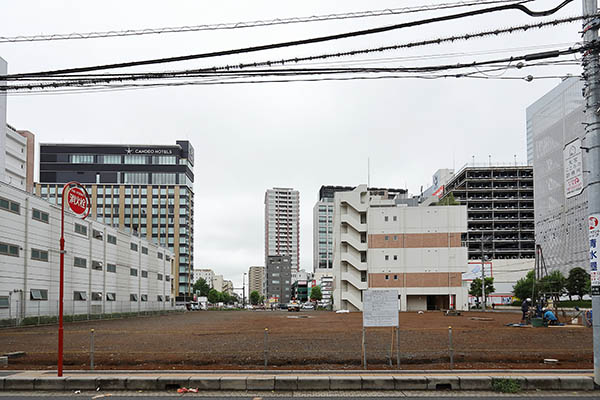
240	340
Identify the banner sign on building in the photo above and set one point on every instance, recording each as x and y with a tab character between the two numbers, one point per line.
474	271
594	237
380	308
573	167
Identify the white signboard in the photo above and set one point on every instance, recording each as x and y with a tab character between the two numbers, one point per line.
573	165
474	271
380	308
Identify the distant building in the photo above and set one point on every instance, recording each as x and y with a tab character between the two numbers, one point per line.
301	275
300	290
107	270
218	283
256	280
19	159
282	225
326	284
279	277
381	243
561	224
228	287
206	274
143	189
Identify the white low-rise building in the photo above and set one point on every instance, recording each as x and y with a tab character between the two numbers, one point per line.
381	243
106	270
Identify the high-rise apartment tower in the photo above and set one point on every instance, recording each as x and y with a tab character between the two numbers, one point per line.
282	225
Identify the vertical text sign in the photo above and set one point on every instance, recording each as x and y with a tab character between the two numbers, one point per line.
573	166
594	220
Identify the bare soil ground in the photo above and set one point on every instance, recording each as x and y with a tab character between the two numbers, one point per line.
320	340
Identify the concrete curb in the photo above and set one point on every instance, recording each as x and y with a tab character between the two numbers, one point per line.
286	382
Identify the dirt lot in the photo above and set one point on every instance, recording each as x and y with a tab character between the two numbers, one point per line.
321	340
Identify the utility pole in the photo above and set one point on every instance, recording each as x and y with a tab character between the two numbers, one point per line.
244	290
591	75
482	275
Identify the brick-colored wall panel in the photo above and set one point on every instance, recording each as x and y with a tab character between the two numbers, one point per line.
414	240
416	279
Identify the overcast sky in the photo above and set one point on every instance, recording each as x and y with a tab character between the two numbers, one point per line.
251	137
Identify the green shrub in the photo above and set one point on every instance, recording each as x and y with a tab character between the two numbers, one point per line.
506	385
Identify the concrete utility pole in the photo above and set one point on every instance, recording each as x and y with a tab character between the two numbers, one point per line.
592	140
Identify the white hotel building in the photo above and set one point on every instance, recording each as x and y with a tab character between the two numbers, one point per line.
106	269
381	243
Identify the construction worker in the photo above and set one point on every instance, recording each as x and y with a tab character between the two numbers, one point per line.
525	308
549	317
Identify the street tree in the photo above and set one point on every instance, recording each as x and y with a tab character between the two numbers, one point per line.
315	293
475	289
524	288
254	297
201	288
214	296
577	282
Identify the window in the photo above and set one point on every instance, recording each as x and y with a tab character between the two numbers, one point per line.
111	296
111	239
167	278
80	262
167	298
395	277
4	303
395	237
385	219
97	234
133	297
81	229
9	250
387	258
136	178
159	277
97	265
144	297
395	218
133	272
38	294
144	274
387	238
387	277
96	296
164	179
109	159
144	250
40	255
111	268
9	205
159	255
135	159
275	282
133	246
363	276
79	296
82	159
158	298
395	257
168	258
40	215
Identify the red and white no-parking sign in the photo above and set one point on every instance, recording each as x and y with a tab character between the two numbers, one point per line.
77	201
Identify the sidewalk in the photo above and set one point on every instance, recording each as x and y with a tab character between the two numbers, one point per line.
572	380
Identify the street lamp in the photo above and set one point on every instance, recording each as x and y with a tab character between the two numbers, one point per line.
244	290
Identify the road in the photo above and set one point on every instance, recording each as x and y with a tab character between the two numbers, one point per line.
272	396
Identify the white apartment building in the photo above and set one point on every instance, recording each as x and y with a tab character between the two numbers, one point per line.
217	283
256	280
282	224
106	269
380	243
19	151
206	274
228	287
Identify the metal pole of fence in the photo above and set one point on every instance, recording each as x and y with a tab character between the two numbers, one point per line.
266	348
364	348
450	349
92	349
38	303
398	346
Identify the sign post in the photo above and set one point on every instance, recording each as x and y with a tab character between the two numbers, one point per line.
380	309
78	200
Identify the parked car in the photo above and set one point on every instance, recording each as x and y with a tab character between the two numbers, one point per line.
293	306
308	306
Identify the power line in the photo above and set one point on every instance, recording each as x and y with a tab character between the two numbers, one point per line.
76	81
279	45
250	24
